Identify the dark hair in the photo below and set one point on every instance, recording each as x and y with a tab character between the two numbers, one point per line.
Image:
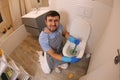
52	13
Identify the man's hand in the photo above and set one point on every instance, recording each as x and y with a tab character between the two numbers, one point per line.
70	59
73	40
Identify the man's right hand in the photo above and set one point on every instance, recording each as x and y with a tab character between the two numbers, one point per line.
70	59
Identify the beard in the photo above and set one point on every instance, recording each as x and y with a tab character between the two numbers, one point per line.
52	29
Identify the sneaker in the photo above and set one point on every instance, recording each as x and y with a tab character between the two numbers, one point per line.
63	66
57	70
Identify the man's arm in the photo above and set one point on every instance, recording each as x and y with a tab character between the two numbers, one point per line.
71	38
66	34
54	55
63	58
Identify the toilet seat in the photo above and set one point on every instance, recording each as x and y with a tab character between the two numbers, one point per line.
79	29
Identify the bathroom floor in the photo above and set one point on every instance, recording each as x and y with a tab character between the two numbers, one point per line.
25	54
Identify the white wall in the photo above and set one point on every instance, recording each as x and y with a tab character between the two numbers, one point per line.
102	65
100	12
15	13
110	40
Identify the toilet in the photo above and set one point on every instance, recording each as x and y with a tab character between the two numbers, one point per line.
80	29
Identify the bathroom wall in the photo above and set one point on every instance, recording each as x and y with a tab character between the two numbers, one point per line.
6	25
96	12
11	15
39	3
102	66
106	2
109	43
33	4
15	11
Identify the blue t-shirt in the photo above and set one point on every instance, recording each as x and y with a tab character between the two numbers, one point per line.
43	38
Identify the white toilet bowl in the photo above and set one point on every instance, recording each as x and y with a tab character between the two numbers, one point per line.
79	29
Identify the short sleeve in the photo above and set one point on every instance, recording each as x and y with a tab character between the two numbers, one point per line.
43	41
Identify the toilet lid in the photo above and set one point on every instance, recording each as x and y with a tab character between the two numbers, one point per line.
80	29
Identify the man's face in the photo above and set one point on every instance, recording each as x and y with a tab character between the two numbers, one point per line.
52	23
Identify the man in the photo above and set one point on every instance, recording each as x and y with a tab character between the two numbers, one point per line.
51	42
